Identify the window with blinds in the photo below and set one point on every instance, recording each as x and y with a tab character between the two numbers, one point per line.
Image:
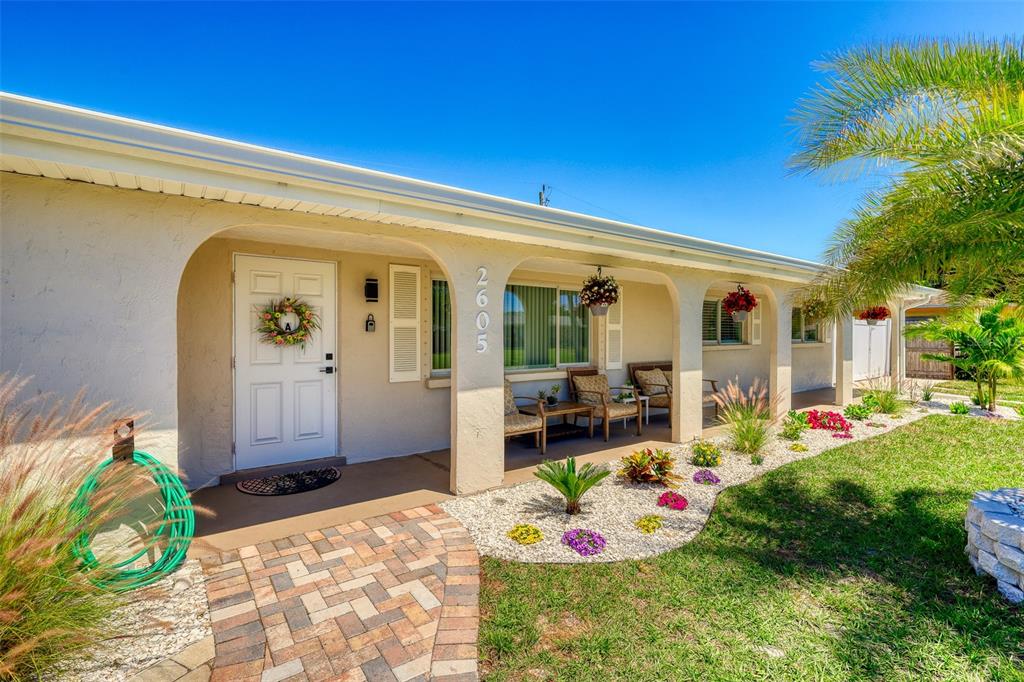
544	327
440	326
804	331
718	327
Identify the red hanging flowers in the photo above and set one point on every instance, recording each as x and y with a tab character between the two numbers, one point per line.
739	301
879	312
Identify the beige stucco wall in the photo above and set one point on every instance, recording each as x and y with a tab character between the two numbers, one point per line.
90	298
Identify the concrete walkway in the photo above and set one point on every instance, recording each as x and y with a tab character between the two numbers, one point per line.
393	597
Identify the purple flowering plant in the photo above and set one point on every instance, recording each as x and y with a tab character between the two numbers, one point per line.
584	541
842	434
706	477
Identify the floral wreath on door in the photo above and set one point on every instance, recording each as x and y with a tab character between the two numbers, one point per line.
287	322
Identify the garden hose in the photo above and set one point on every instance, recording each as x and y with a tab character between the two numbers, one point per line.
176	528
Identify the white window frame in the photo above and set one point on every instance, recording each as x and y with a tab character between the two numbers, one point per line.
744	328
559	288
803	329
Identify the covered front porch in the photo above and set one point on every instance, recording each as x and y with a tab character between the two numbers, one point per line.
389	485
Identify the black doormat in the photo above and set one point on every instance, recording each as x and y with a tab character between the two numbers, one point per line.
289	484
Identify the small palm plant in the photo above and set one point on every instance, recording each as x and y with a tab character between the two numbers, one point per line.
572	484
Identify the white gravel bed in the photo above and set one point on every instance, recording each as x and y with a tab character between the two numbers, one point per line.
160	621
612	507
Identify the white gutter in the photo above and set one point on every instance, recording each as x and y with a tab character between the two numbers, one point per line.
37	118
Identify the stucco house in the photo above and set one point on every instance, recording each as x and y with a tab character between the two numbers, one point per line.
136	257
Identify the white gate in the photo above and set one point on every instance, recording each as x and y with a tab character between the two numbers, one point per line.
870	349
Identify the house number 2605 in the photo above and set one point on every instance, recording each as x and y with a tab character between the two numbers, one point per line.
483	319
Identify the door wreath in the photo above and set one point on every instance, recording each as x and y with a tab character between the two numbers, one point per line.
287	322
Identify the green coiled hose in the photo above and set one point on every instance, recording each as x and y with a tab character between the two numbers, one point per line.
177	527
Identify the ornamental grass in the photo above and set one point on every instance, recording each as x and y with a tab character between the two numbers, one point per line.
49	610
746	414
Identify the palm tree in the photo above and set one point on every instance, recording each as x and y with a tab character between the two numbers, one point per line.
989	343
944	121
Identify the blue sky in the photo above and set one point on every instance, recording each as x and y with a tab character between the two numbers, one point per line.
667	115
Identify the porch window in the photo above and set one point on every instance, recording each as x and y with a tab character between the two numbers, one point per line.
544	327
440	327
804	331
718	327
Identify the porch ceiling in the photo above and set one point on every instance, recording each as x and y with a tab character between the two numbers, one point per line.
322	239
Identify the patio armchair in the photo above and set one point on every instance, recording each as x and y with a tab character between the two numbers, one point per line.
590	387
519	424
654	380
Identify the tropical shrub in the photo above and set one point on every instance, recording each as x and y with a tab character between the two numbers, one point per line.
564	478
706	477
649	523
858	412
525	534
746	415
706	454
794	425
828	421
584	542
798	447
672	500
649	466
49	609
959	407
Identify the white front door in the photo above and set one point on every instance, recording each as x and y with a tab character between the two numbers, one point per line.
285	396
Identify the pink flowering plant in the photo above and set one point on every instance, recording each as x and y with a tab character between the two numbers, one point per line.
584	541
672	500
828	421
879	312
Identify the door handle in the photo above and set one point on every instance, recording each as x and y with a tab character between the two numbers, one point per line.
327	370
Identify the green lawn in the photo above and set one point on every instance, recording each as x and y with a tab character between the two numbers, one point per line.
1007	392
846	566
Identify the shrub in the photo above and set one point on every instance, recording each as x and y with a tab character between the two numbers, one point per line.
672	500
525	534
794	425
565	479
756	458
649	466
927	393
828	421
706	477
585	542
980	398
49	609
884	400
798	447
858	412
959	407
648	524
706	454
747	415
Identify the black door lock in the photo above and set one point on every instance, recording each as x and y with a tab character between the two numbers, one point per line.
327	370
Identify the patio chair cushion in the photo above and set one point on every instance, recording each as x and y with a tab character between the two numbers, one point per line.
620	410
510	402
661	400
518	423
591	387
652	381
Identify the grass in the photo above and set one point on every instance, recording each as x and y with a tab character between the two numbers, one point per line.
846	566
1008	392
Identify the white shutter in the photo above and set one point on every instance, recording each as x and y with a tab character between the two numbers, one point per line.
404	323
755	326
613	335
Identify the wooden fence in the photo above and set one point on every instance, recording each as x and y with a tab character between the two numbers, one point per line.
919	368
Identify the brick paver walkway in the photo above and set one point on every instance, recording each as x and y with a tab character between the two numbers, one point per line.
389	598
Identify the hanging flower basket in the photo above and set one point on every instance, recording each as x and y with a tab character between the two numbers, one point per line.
814	310
599	292
738	303
287	322
873	315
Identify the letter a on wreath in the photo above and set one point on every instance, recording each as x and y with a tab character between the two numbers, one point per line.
287	322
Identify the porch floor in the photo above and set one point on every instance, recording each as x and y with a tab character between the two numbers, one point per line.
377	488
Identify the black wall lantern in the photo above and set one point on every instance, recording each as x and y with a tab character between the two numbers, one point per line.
370	290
